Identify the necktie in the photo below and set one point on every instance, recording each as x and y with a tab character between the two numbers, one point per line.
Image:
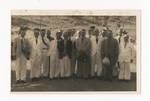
82	39
36	41
22	45
96	40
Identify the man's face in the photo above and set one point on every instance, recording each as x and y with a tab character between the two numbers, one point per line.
36	34
42	33
48	33
126	39
109	35
83	34
96	33
58	35
23	34
104	33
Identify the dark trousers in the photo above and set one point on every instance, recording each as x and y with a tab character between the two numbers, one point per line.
107	72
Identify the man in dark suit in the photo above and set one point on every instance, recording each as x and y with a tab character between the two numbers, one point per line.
83	46
65	52
109	53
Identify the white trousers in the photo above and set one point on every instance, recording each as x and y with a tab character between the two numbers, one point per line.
21	68
96	65
44	64
54	66
36	68
124	73
65	67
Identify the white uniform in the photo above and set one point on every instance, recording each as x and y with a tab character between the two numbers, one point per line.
96	64
133	64
29	36
124	61
20	59
44	58
13	50
36	57
54	62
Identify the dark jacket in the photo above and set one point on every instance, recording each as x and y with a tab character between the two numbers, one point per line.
110	49
64	50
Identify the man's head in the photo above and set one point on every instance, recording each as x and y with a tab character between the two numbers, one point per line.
96	32
43	31
48	33
109	34
83	33
104	32
65	35
58	35
124	32
36	32
70	32
126	38
23	31
121	30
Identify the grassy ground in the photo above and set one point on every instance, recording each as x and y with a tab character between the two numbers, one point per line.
77	85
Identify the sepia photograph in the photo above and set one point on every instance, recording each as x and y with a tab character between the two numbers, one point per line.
75	51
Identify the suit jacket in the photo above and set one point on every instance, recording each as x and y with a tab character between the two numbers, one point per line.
64	49
83	45
110	49
22	50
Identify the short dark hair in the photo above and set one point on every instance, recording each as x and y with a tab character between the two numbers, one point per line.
92	27
36	29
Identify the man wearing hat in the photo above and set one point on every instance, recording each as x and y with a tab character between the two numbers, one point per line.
36	55
44	60
54	70
91	31
23	50
96	65
125	58
65	47
83	46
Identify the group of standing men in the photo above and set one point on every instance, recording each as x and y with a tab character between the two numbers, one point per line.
71	53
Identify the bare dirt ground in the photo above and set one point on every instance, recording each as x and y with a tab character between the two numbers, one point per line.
76	85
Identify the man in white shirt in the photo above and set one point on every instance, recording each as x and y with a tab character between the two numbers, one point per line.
36	55
44	57
96	65
23	50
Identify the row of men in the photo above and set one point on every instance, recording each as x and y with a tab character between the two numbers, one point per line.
71	53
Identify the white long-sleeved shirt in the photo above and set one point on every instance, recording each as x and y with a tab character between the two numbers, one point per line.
125	53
